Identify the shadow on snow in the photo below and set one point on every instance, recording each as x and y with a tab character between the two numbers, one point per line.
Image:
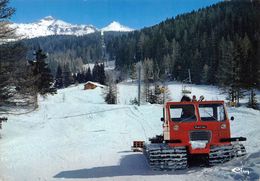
130	165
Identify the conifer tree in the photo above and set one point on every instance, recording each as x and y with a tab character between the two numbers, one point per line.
101	72
88	75
252	102
80	77
11	57
45	81
98	73
95	72
110	94
166	94
205	74
6	12
226	72
5	33
59	78
133	73
67	75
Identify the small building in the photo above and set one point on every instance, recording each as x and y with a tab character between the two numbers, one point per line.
92	85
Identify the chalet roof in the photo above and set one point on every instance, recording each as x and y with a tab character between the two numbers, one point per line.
95	83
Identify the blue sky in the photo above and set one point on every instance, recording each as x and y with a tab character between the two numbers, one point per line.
133	13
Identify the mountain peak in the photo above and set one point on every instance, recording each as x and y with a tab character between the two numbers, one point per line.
48	18
116	26
115	23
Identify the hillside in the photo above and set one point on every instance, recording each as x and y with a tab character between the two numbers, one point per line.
216	43
71	50
75	135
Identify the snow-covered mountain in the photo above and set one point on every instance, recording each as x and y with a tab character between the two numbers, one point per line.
51	26
116	26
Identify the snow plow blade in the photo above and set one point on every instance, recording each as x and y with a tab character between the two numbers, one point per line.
137	146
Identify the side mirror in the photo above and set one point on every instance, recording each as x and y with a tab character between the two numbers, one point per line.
232	118
162	119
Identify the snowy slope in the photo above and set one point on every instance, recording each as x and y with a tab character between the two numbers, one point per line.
75	135
116	26
51	26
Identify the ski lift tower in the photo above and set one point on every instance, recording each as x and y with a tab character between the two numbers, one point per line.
186	85
103	45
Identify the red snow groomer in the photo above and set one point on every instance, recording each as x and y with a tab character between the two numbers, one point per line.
190	129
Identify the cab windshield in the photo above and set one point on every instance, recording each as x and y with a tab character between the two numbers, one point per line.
212	112
182	113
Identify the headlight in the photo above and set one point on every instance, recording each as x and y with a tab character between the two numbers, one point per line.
175	127
223	126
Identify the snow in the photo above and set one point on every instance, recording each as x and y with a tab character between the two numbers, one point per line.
116	26
75	135
51	26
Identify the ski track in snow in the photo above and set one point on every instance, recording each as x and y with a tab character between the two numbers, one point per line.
74	135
